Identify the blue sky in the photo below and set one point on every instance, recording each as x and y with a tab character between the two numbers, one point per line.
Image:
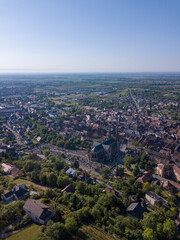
89	35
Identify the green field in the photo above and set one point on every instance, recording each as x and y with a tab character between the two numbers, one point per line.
28	183
95	233
22	181
29	233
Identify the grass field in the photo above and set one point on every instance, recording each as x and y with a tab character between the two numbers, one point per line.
21	181
95	233
29	233
28	183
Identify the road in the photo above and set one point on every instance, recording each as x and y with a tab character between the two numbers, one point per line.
81	155
134	100
17	136
159	178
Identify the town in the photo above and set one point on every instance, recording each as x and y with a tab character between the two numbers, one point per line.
90	156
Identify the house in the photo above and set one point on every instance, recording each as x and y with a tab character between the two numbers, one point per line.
38	139
71	172
171	185
111	190
135	210
37	211
15	172
7	167
155	200
10	169
28	141
168	170
176	171
17	193
146	177
69	188
84	176
164	170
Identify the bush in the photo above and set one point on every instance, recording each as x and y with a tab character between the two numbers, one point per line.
26	220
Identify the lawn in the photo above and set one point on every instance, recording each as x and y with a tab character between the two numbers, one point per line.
28	183
95	233
22	181
29	233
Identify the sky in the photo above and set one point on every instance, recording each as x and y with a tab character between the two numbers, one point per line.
89	36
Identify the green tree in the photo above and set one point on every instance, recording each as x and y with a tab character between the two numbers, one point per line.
149	234
144	157
56	231
1	191
82	215
59	164
10	213
43	178
71	224
169	229
119	171
63	181
151	219
31	165
172	213
131	180
146	187
81	187
46	152
51	179
49	193
159	230
75	164
106	172
127	162
34	177
136	170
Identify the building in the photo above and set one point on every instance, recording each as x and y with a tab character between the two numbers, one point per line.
17	193
104	151
164	170
135	210
71	172
111	190
69	188
155	200
37	211
176	171
10	169
146	177
168	171
171	185
7	167
98	153
84	176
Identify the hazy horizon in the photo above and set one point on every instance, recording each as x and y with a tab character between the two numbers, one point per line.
44	72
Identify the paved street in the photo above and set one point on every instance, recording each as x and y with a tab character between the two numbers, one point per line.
134	100
17	136
80	155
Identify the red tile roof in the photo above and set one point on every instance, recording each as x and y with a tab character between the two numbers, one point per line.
145	177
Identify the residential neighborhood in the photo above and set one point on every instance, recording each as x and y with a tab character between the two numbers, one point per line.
83	158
